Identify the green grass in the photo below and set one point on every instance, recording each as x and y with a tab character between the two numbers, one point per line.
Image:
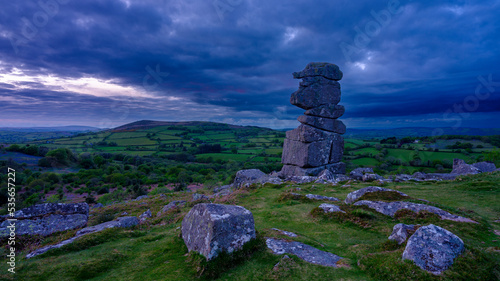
365	161
154	251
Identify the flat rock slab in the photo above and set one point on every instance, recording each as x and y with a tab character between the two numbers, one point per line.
330	208
303	251
45	226
390	208
433	248
327	111
211	228
288	172
171	205
355	195
327	124
120	222
321	197
52	208
327	70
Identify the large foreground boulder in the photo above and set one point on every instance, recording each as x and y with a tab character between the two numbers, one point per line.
433	248
46	219
212	228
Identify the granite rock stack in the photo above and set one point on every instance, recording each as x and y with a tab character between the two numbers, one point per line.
316	145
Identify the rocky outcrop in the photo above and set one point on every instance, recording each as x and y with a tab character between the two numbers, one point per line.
245	178
316	145
145	216
199	197
321	197
330	208
401	232
45	219
462	168
433	248
355	195
357	174
119	222
171	205
303	251
212	228
390	208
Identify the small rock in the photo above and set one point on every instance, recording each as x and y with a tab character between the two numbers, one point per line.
124	214
199	197
140	198
321	197
247	176
371	177
433	248
97	206
401	231
146	215
171	205
330	208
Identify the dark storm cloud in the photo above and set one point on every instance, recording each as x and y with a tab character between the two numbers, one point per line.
423	59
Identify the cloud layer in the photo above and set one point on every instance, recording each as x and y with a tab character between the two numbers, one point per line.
108	62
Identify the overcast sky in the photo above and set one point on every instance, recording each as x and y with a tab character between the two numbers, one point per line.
104	63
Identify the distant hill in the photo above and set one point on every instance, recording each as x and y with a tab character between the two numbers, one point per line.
51	129
147	124
418	132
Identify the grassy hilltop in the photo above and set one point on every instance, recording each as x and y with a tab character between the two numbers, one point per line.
154	251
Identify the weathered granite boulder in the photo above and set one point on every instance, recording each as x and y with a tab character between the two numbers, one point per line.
52	208
120	222
247	176
171	205
324	69
485	167
45	226
45	219
146	215
321	197
289	171
212	228
306	134
140	197
401	232
433	248
330	208
316	91
355	195
390	208
371	177
462	168
332	111
358	173
312	154
199	197
303	251
327	124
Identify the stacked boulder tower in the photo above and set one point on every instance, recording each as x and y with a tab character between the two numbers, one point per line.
317	144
